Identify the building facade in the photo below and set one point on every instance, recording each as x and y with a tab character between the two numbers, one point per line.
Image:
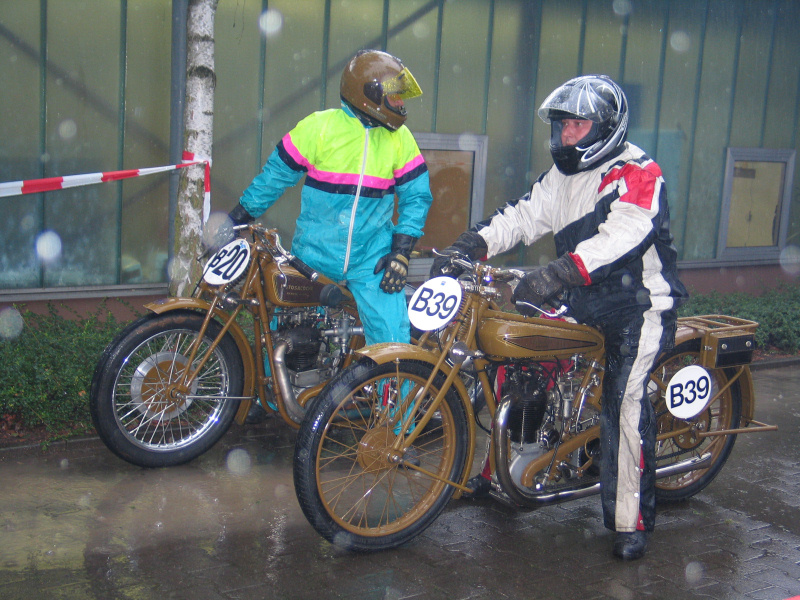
95	86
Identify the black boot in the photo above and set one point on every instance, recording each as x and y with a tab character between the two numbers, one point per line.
630	546
480	488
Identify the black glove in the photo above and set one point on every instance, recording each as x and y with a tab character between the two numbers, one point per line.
395	264
545	283
225	233
469	243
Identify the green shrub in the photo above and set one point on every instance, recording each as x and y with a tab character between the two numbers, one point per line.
46	370
777	312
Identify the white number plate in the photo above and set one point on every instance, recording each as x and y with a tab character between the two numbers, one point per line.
434	303
228	264
688	392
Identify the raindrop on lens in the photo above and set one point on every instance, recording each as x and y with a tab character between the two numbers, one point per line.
271	22
67	129
680	41
466	141
48	246
790	260
622	7
694	572
421	30
238	462
10	323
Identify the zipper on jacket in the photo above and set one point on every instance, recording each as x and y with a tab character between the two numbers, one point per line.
355	202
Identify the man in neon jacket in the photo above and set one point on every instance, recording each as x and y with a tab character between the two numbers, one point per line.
355	158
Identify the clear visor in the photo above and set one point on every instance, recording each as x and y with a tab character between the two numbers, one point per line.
402	86
582	99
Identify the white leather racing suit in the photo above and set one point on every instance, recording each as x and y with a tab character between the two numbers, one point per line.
613	220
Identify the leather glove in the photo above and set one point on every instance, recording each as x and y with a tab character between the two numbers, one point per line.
225	233
395	264
545	283
469	243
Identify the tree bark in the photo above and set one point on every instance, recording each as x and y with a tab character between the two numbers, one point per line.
185	270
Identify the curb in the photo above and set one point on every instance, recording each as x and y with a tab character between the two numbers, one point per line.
775	363
46	447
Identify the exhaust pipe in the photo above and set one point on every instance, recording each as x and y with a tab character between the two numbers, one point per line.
508	488
293	408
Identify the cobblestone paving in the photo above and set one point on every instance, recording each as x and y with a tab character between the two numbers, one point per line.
75	523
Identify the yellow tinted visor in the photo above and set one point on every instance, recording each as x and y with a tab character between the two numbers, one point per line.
403	85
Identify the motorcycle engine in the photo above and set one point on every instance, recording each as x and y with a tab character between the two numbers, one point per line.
527	388
314	351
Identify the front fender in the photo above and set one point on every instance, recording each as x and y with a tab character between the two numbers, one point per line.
166	305
390	351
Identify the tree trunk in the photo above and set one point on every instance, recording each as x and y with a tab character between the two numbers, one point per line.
185	270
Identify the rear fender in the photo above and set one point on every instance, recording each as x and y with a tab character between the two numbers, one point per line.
686	334
166	305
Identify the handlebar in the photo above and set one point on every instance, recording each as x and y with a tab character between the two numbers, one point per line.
489	274
278	251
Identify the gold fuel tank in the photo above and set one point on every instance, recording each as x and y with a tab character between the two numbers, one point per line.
507	335
286	287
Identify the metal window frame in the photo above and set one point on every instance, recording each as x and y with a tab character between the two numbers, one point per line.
479	146
759	254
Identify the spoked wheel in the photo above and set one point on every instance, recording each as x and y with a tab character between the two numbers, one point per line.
144	408
679	440
355	488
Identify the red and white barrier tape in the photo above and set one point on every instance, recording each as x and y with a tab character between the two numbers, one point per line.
48	184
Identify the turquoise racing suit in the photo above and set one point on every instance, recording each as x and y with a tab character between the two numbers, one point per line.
345	225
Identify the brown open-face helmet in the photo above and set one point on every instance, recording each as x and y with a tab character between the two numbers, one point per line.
375	84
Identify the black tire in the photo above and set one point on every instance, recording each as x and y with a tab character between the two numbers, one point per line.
130	403
723	413
352	489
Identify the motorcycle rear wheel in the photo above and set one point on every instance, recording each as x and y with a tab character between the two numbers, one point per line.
724	413
138	402
353	489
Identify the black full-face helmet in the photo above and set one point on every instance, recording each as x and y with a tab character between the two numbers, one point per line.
372	84
595	98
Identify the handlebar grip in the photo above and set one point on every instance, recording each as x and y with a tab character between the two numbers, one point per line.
303	268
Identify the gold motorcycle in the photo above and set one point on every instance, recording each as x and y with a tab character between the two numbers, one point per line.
392	438
171	384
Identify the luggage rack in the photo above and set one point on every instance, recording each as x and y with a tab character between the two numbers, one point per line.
727	341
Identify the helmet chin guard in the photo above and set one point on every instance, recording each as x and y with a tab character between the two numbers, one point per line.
590	97
375	84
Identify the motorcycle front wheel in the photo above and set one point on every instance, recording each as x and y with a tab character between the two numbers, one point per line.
679	440
143	408
354	488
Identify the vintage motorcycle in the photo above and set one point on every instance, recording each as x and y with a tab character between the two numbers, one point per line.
392	438
171	383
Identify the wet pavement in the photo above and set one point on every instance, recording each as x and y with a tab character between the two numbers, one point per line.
76	522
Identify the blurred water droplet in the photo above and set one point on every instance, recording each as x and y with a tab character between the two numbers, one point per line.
67	129
790	260
421	30
271	22
467	141
238	461
64	464
680	41
622	7
694	572
48	246
11	323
